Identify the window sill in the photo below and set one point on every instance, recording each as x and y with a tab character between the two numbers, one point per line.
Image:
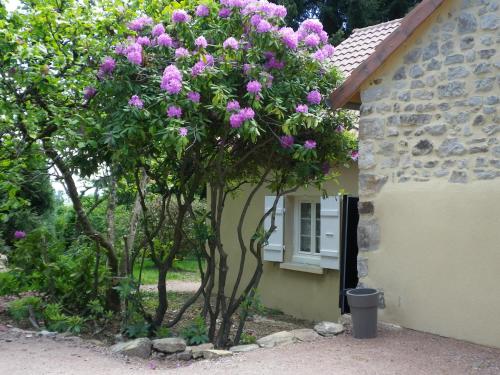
301	267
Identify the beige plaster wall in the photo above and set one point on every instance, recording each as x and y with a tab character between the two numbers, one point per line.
429	171
301	294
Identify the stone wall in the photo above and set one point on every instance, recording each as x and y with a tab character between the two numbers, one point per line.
431	112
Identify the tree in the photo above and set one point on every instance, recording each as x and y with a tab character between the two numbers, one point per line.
217	95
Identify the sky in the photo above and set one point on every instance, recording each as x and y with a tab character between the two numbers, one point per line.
11	4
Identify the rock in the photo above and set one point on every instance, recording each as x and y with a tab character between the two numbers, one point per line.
458	177
276	339
466	23
214	354
305	334
186	355
423	147
119	338
451	147
198	350
453	89
169	345
371	183
345	319
368	234
329	328
136	348
45	333
243	348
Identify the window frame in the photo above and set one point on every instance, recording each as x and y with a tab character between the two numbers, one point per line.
313	257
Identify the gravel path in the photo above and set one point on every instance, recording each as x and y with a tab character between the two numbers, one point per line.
176	286
395	351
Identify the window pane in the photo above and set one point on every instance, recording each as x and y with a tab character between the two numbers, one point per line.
305	227
318	211
305	244
318	243
305	210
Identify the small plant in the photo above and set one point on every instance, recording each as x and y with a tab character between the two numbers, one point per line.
247	338
196	332
22	309
162	332
8	284
56	320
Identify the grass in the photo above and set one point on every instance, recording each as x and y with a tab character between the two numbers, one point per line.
185	270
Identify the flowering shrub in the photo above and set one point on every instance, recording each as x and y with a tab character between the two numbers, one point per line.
224	73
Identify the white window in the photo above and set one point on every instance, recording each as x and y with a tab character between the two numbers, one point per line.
307	228
312	230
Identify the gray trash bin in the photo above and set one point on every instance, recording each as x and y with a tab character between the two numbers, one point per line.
364	304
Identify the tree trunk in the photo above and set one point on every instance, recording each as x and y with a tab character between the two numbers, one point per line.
162	298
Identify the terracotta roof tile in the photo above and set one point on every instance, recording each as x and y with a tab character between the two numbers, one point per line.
361	44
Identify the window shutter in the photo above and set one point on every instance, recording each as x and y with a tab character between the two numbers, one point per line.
330	233
273	250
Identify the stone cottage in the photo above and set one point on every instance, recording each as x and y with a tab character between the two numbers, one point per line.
429	180
428	91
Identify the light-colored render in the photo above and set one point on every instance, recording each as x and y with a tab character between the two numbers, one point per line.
299	289
430	168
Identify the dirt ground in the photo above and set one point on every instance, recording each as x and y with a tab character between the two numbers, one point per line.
395	351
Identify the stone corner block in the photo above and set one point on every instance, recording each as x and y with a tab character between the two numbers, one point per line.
328	329
368	234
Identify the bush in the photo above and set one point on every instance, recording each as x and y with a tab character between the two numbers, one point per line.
56	320
8	284
19	309
247	338
196	332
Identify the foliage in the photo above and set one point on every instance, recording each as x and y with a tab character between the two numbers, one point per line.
19	309
247	338
9	284
56	320
196	332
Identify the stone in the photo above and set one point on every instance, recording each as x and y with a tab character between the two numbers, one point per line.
404	96
423	94
216	354
243	348
489	110
489	21
454	59
430	81
467	42
375	93
386	148
467	23
484	85
366	158
391	162
430	51
433	65
485	174
371	183
415	119
362	267
457	72
416	71
478	149
470	56
447	47
135	348
417	84
329	329
453	89
495	163
492	100
365	208
436	129
443	106
431	164
345	319
368	234
169	345
400	74
392	132
496	151
371	128
197	351
186	355
478	120
413	56
276	339
366	109
491	129
481	162
305	334
451	147
458	177
423	147
486	54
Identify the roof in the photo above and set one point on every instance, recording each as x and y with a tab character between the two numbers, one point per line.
360	45
346	93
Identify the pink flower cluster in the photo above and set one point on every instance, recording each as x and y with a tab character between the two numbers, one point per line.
171	81
201	42
174	111
238	118
107	67
183	132
158	30
19	234
231	43
89	92
254	87
302	108
202	11
314	97
165	40
194	96
180	16
286	141
134	53
135	101
139	23
200	66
